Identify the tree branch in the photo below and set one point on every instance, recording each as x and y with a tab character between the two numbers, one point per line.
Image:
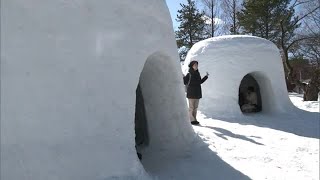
300	39
306	15
296	3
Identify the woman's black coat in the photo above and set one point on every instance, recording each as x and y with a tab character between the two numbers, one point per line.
194	87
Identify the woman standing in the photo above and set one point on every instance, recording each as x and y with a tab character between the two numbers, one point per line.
193	82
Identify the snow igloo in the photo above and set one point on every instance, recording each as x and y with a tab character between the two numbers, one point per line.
75	76
236	62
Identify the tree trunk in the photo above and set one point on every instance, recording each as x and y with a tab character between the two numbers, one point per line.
267	25
313	88
287	64
285	55
311	93
212	20
234	16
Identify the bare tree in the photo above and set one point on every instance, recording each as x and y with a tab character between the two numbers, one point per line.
290	37
212	11
311	47
230	9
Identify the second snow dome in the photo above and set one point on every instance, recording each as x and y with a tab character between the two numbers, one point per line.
234	63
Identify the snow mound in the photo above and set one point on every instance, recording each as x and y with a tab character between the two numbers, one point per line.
69	74
235	62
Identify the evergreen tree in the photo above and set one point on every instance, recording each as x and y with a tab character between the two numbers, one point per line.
262	17
192	27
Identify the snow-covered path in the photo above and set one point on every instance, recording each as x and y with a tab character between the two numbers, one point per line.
262	153
276	147
267	152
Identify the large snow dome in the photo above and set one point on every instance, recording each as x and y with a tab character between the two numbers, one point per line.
234	63
69	76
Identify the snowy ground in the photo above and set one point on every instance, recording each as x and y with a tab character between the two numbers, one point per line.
297	99
262	152
255	147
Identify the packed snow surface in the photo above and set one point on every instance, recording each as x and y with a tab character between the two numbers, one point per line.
258	147
297	100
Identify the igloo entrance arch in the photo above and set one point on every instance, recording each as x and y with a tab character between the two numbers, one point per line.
247	83
156	113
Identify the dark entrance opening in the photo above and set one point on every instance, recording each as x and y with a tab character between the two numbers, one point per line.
140	122
249	95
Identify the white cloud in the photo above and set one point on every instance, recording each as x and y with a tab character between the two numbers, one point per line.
217	21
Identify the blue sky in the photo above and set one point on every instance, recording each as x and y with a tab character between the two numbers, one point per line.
173	6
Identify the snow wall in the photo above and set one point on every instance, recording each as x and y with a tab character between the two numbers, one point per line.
228	59
69	73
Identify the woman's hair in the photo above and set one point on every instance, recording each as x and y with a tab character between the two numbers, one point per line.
192	63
